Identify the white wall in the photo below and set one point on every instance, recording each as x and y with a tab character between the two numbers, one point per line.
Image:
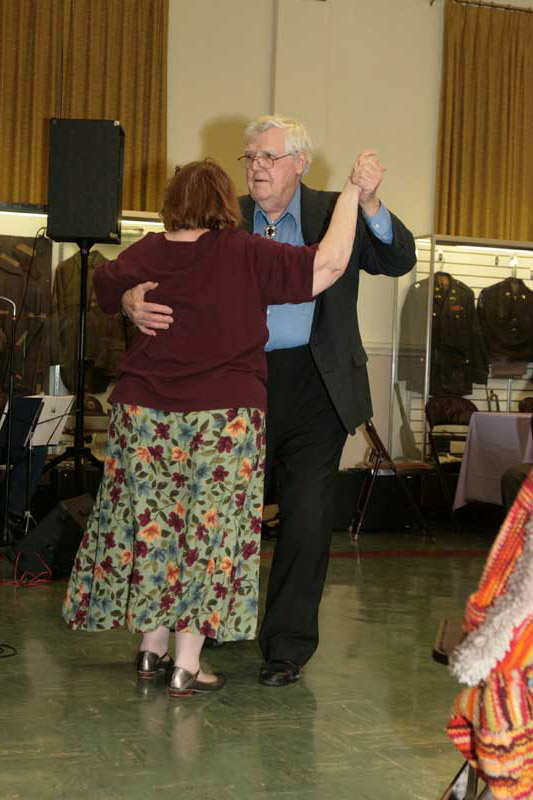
220	75
359	74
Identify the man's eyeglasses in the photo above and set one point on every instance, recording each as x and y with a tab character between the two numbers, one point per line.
264	160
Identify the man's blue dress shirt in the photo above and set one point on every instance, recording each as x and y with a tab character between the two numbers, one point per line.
289	325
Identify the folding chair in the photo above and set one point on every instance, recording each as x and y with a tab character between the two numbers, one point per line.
525	405
379	458
448	420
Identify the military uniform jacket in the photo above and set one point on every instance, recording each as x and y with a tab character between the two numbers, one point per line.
505	312
105	336
335	340
458	356
25	278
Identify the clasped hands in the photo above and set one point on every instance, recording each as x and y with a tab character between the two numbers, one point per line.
367	173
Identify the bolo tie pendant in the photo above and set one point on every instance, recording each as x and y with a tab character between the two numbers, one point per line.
270	231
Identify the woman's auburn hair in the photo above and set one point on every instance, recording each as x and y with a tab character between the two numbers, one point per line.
200	195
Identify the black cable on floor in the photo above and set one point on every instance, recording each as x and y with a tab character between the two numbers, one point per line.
7	647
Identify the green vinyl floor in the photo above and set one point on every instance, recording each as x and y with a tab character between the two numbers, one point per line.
366	720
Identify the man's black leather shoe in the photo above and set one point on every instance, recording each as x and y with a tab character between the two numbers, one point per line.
279	673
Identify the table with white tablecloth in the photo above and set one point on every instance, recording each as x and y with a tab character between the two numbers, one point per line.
496	441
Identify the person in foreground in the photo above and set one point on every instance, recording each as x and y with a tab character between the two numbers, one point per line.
317	379
173	539
492	721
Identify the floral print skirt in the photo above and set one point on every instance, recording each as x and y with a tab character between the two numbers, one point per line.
174	535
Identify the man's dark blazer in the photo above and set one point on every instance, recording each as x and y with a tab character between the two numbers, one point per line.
335	339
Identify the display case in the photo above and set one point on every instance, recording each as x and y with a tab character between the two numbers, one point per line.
463	327
40	283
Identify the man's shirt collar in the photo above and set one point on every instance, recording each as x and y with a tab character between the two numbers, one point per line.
293	209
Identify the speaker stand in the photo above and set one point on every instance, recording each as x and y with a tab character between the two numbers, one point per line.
79	453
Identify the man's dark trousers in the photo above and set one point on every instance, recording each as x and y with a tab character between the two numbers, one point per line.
305	439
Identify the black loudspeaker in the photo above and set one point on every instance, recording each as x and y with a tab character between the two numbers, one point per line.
54	541
85	180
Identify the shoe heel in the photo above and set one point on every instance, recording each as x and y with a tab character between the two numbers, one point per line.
146	676
184	693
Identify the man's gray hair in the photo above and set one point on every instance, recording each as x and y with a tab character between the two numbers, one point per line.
297	139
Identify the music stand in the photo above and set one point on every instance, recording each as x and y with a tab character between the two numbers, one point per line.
46	431
23	415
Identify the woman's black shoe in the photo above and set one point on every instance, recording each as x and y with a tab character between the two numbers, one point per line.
184	683
149	664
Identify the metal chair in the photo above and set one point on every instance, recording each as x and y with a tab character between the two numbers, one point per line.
448	419
525	405
379	458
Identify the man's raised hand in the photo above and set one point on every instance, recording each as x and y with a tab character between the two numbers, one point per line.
367	174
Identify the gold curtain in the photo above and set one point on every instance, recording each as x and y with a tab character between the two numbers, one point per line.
485	154
85	59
